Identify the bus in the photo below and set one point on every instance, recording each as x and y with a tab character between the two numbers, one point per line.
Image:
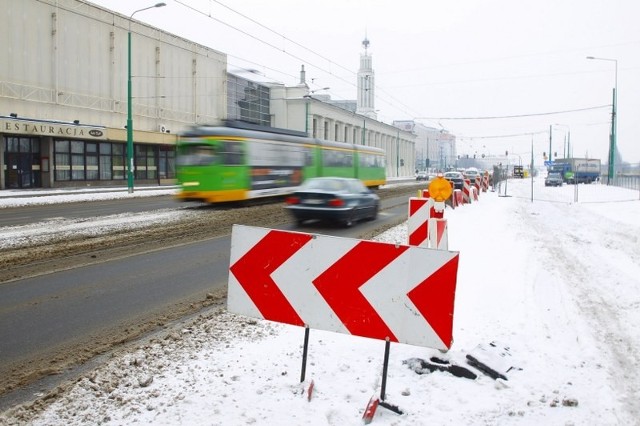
239	161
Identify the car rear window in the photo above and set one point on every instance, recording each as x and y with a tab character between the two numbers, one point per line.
325	184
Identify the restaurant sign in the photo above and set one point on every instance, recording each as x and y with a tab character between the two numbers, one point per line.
55	129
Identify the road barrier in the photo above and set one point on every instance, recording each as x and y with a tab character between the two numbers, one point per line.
417	224
466	191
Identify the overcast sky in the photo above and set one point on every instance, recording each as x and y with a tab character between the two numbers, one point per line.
446	64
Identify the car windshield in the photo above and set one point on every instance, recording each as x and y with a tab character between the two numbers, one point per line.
554	175
452	175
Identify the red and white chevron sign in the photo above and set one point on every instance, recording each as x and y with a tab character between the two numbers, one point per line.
351	286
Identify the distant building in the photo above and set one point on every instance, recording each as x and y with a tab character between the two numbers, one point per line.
435	148
297	108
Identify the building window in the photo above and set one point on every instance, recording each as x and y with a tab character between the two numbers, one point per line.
88	161
91	152
62	161
106	163
166	162
146	164
77	160
248	101
119	161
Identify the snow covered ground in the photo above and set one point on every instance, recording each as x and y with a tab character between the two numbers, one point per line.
553	284
59	228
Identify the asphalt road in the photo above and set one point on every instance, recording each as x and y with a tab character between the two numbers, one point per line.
42	315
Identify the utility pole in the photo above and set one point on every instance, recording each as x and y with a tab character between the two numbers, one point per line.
550	138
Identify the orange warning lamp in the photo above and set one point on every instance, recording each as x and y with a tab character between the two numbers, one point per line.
439	189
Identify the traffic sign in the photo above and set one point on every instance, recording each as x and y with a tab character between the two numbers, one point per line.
359	287
548	163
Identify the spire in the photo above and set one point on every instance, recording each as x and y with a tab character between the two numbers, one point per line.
366	83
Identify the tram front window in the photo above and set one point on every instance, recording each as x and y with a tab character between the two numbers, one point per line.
196	155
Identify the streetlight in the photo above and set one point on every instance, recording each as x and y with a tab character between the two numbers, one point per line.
129	107
614	120
567	140
306	109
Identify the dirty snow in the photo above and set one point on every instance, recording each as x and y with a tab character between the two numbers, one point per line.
553	285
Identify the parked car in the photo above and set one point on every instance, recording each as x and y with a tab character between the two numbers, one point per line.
335	199
553	179
456	177
426	177
471	173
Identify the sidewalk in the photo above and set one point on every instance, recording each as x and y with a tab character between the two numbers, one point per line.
43	192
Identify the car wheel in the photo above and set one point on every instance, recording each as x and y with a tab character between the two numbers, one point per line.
348	222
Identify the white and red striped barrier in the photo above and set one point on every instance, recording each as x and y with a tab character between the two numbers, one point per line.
474	193
438	234
417	224
426	226
485	182
478	183
466	191
457	198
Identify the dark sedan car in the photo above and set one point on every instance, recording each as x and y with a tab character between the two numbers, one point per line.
456	177
341	200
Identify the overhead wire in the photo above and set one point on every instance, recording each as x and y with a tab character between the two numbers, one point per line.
264	41
515	116
394	102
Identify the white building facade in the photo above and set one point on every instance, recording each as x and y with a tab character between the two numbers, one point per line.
64	99
435	149
296	108
63	94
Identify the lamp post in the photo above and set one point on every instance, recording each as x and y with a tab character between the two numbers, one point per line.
427	164
306	108
129	103
614	121
567	139
398	154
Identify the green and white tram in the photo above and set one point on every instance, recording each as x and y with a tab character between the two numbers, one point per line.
240	161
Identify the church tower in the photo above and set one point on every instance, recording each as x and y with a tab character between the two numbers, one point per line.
366	84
